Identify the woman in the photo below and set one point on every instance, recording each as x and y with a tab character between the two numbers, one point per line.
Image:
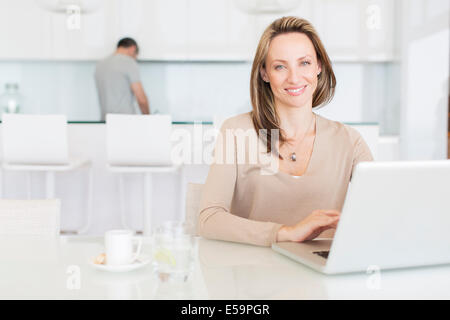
291	75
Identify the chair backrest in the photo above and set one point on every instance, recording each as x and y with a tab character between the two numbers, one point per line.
30	217
193	197
138	139
35	139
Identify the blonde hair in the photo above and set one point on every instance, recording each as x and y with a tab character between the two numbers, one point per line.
264	114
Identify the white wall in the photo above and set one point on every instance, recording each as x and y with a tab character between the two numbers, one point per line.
192	91
424	79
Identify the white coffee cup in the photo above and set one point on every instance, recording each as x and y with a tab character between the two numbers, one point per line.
119	247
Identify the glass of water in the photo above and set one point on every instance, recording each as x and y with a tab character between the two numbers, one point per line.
174	249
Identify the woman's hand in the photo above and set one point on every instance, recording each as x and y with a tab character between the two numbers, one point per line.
310	227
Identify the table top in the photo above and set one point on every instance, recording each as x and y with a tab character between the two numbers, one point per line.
58	268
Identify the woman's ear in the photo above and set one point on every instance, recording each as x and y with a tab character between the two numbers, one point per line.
319	68
263	74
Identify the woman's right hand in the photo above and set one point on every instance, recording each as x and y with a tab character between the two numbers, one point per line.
310	227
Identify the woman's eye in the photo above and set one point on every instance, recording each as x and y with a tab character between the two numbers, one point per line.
279	67
305	63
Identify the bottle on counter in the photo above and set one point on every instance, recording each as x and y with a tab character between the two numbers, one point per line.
10	100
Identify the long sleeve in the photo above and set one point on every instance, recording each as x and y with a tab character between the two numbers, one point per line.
216	221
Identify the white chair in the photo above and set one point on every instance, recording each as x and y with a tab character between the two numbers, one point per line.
193	197
139	144
38	143
30	217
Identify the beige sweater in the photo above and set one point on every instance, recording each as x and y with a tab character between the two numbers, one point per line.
242	205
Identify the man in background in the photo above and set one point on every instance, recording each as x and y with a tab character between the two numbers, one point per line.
118	81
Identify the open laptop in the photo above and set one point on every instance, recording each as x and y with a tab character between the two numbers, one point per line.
138	140
35	139
395	215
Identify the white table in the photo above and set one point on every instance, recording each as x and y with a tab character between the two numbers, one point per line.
39	268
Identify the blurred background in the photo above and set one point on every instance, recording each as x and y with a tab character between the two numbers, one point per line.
391	58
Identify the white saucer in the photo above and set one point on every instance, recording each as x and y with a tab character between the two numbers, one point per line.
141	261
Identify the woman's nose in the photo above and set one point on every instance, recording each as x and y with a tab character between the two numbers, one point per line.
293	76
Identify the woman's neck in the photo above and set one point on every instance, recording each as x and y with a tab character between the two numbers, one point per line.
295	121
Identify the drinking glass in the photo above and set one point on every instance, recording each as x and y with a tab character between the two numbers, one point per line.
174	249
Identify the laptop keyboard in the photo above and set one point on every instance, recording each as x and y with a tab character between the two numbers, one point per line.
323	254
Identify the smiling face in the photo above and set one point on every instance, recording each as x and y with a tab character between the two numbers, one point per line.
291	68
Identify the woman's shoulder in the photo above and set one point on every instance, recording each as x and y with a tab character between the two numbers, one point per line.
344	136
240	121
336	129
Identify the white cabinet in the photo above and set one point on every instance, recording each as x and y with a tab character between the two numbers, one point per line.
158	26
93	40
163	34
195	30
356	30
218	30
30	32
352	30
23	30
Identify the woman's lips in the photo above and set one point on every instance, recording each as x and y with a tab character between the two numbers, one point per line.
296	91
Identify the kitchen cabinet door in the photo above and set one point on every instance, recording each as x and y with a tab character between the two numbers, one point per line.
356	30
303	9
31	32
351	30
218	30
163	34
24	30
92	39
158	26
380	30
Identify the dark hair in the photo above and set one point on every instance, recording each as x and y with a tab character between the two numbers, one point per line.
128	42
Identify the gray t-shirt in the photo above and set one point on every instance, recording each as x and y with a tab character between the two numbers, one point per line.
113	77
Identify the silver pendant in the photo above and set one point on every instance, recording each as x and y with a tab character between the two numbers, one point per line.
293	156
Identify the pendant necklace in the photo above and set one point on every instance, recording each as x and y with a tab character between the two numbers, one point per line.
293	156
